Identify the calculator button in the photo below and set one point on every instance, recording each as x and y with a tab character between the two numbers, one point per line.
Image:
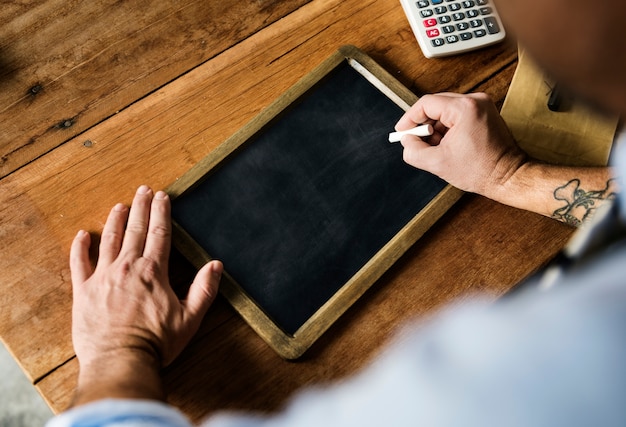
453	26
492	25
480	33
433	32
447	29
437	42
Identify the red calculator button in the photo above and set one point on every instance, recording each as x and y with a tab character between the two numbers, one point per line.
434	32
430	22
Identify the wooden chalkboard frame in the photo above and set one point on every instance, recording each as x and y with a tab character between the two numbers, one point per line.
292	346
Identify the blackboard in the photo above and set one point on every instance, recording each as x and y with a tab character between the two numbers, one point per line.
309	203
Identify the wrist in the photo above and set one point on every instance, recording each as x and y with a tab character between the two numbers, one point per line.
125	374
523	188
507	177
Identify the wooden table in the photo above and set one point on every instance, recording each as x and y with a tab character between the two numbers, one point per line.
99	97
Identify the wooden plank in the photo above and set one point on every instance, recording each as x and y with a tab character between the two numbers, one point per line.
65	65
159	138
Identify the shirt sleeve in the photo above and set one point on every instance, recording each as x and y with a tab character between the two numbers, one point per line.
121	413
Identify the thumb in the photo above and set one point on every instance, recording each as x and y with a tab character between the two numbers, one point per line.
203	290
80	265
201	295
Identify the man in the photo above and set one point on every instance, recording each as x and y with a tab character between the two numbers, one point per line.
552	358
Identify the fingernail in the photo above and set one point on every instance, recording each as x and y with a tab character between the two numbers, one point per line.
161	195
216	269
144	189
120	207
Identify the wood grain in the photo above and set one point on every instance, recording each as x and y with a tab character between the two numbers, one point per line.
479	247
159	137
67	65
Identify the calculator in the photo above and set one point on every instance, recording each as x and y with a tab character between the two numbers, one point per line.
449	27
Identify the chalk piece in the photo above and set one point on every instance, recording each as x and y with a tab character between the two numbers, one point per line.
422	130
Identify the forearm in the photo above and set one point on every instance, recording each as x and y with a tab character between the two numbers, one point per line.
568	194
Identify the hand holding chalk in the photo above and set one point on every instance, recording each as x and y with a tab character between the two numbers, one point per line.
422	130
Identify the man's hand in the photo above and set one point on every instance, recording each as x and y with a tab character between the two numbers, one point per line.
472	148
126	320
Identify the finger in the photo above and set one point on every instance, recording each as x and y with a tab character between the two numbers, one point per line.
428	109
158	240
411	118
435	139
112	235
417	152
203	291
440	128
80	266
138	219
417	114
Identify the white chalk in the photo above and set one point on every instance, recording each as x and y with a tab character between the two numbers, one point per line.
422	130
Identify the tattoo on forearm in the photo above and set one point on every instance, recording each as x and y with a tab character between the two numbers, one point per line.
580	205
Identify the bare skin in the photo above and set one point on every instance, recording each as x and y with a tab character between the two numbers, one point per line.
127	322
473	150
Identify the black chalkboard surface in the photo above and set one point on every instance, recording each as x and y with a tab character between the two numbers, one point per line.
309	203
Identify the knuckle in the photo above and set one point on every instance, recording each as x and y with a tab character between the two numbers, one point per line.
160	231
136	227
426	99
111	237
472	104
149	267
122	271
482	96
130	273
